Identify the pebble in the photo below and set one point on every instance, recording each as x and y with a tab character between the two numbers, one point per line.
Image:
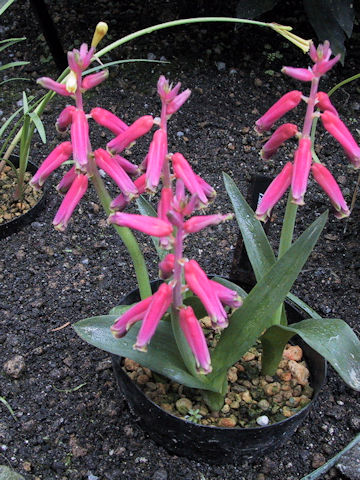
293	352
15	366
183	405
318	460
160	474
221	66
272	388
262	421
227	422
299	372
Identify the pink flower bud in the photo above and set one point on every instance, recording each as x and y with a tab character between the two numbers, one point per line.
283	105
302	74
195	224
320	68
177	102
195	337
281	134
108	120
274	192
164	203
80	138
324	103
64	119
67	180
166	91
184	171
150	225
129	167
120	202
328	183
337	129
161	301
301	170
71	199
50	84
166	266
226	295
155	160
139	128
131	316
93	80
104	161
59	155
199	284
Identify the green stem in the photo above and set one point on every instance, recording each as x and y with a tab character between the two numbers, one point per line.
287	230
127	237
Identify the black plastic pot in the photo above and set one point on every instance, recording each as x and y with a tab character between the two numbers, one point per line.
16	224
211	444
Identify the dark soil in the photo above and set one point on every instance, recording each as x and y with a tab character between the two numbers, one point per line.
71	422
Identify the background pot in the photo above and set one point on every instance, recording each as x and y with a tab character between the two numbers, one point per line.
215	444
17	223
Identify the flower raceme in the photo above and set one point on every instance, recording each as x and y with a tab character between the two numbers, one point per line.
297	174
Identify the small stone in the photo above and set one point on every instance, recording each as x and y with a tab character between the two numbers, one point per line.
130	365
227	422
264	405
183	405
248	356
272	388
285	376
15	366
160	474
262	421
355	423
246	397
142	379
232	375
225	408
167	407
299	372
221	66
27	466
287	412
258	82
293	352
235	405
318	460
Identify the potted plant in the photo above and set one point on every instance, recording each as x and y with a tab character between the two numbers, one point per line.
194	329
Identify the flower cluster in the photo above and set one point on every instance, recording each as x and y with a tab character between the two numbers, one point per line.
171	225
295	175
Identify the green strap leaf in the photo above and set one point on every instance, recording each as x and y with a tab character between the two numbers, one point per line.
12	64
162	356
332	338
248	322
257	245
39	125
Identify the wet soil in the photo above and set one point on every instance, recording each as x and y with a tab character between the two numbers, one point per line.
70	420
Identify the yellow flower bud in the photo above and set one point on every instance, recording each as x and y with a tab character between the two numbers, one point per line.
100	32
303	44
71	83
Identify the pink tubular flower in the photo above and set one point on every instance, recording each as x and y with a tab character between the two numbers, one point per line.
177	102
195	337
328	183
150	225
167	92
195	224
120	202
274	192
80	138
184	171
72	198
91	81
166	266
155	160
56	87
226	295
139	128
303	74
301	170
129	167
324	103
104	161
64	119
161	301
281	134
199	284
287	102
127	319
67	180
108	120
337	129
60	154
